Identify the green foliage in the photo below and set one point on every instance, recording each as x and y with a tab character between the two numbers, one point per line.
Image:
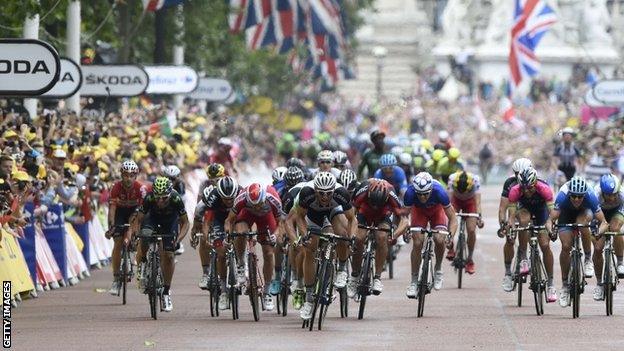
209	46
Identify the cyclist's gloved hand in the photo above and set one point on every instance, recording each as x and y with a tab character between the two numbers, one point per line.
480	222
177	247
194	239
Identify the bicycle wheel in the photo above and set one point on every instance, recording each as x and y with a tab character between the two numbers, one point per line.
284	291
364	283
253	286
390	262
537	284
423	284
152	294
213	286
318	291
125	262
328	290
344	302
608	283
459	260
575	285
231	285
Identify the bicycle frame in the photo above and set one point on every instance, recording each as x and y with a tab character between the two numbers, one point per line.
155	276
368	265
610	278
459	262
255	282
538	272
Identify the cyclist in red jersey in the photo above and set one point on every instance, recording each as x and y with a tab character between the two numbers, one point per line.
223	156
376	203
125	198
259	205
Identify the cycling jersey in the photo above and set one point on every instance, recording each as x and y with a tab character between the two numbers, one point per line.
563	202
610	209
438	197
174	208
280	187
272	204
319	214
476	186
265	218
178	185
537	204
289	197
509	182
398	178
121	196
445	168
370	160
370	215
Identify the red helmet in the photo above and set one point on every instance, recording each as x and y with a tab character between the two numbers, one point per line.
255	194
378	192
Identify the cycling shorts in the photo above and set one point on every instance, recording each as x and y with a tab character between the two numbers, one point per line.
434	216
466	206
374	222
122	215
569	217
539	215
217	232
614	212
265	224
168	227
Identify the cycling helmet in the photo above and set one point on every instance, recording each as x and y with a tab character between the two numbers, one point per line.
423	183
172	171
377	133
426	144
521	164
405	158
527	177
347	177
255	194
225	141
438	154
206	193
387	160
340	158
454	153
162	187
296	162
378	192
324	181
463	182
396	150
443	135
609	184
227	187
577	186
294	175
215	170
129	166
325	156
278	174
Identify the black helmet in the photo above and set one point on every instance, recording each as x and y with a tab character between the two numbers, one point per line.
296	162
293	176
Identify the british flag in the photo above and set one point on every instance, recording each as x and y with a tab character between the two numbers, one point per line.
155	5
532	19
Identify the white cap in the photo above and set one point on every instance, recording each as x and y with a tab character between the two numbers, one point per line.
59	153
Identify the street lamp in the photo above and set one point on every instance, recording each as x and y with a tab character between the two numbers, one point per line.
380	53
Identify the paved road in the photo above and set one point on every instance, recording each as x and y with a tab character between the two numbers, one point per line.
479	316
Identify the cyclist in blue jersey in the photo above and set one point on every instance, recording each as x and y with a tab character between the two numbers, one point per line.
392	173
278	179
431	207
575	203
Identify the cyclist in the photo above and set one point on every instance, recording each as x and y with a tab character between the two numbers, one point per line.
295	181
575	203
204	248
533	199
348	180
611	198
173	173
567	153
430	207
214	172
125	198
432	164
223	155
370	158
508	249
219	202
444	141
322	204
163	207
278	178
341	160
392	173
259	205
325	161
375	202
406	163
297	162
449	165
465	193
420	159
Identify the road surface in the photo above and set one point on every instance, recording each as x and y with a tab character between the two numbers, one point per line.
479	316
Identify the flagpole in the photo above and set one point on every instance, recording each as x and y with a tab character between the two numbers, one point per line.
73	47
178	48
31	31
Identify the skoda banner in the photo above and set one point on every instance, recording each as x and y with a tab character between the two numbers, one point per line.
69	81
171	79
113	80
28	67
212	89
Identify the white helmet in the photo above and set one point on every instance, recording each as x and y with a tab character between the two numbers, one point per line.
324	181
405	158
129	166
423	182
521	164
278	174
443	135
340	158
396	150
172	171
325	155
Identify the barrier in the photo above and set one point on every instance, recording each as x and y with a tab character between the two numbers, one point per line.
12	264
83	232
27	242
53	229
48	271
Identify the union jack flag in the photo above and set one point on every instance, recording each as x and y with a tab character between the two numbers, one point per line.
532	19
155	5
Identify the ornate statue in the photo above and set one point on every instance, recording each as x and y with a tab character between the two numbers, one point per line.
595	22
455	22
499	26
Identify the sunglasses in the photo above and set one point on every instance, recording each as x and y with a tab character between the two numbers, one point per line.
325	193
423	194
325	162
161	197
577	197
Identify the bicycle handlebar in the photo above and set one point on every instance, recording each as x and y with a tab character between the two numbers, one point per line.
528	227
466	214
575	225
428	231
613	233
331	236
245	234
387	230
